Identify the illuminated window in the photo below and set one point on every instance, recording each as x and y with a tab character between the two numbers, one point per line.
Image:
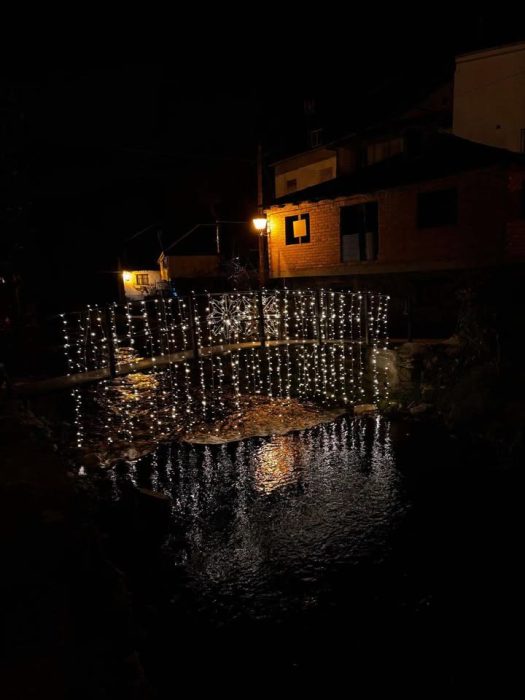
359	232
438	208
297	229
142	279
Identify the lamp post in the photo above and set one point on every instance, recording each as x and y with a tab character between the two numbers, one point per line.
260	224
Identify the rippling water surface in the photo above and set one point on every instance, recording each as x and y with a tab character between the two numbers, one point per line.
345	547
266	522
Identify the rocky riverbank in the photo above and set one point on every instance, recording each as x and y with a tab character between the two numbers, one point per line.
67	616
477	398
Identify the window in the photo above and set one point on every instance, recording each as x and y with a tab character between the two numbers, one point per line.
309	106
291	185
297	229
142	280
359	232
382	150
439	208
316	137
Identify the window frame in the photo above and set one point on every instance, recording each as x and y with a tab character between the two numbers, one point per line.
361	233
316	137
142	283
288	229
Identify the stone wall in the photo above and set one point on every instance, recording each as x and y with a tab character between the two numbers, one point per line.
480	399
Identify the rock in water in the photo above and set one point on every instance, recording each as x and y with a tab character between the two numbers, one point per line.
361	408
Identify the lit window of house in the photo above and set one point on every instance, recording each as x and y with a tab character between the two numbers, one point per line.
359	232
297	229
142	279
438	208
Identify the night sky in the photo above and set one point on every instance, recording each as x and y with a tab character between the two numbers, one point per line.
102	137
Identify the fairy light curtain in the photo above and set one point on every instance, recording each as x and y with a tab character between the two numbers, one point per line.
171	362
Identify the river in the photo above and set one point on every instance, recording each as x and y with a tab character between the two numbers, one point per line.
370	552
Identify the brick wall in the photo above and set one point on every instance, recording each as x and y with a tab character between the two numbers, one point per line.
485	205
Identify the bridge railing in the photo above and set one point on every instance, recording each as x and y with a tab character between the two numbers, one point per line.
196	358
116	337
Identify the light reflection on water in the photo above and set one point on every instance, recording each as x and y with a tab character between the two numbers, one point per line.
275	463
262	523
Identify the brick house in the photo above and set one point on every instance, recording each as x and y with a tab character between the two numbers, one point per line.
454	205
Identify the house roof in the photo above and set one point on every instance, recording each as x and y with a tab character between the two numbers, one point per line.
441	155
383	107
491	51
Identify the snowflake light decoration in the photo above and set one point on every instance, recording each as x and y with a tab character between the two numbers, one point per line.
272	316
232	316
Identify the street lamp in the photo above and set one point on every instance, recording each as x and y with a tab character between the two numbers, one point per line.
260	224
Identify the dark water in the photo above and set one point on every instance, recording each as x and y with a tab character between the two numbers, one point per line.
375	554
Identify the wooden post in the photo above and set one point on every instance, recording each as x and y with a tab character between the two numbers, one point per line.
217	238
111	347
262	259
120	281
260	307
318	313
260	211
367	334
193	330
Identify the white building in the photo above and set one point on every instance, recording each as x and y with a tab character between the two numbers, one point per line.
489	97
140	284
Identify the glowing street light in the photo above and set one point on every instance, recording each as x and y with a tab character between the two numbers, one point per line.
259	223
126	276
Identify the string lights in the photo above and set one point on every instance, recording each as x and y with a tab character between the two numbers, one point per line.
317	346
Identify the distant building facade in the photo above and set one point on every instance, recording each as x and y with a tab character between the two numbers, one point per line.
305	170
180	267
377	142
455	205
141	284
489	97
438	185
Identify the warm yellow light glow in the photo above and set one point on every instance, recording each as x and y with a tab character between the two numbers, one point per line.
260	223
126	276
275	462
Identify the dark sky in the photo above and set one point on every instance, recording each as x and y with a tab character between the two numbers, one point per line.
106	133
